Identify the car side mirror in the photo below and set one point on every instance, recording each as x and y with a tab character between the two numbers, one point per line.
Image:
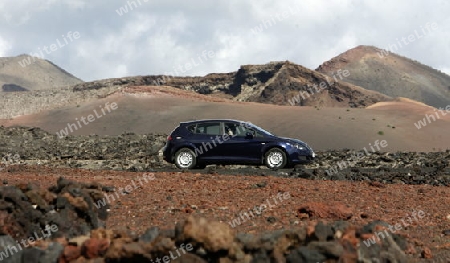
249	135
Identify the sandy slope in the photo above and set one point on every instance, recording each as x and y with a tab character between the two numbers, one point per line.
159	110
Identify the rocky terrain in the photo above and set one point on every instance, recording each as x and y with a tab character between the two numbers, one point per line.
70	208
391	74
317	232
132	152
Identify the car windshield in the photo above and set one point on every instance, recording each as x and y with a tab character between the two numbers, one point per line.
250	125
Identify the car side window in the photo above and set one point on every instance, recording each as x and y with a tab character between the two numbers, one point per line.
209	128
235	129
255	133
232	129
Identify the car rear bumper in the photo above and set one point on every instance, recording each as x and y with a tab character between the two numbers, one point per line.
167	155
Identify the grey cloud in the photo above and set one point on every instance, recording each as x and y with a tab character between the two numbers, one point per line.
158	36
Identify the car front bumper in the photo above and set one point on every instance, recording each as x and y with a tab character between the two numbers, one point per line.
301	156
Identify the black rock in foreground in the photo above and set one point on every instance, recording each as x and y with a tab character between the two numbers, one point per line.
70	227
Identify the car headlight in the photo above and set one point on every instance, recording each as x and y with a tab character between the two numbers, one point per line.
298	146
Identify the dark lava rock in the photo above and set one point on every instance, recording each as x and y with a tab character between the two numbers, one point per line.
10	252
305	254
132	152
33	254
149	235
38	255
323	232
193	240
68	206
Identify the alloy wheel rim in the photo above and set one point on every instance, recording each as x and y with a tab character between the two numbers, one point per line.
185	159
275	159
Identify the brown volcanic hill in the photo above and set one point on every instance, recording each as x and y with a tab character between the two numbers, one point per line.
294	84
279	83
25	73
391	74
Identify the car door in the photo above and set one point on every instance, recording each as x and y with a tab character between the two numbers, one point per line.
204	140
239	147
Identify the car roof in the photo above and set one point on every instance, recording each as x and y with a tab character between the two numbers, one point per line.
211	120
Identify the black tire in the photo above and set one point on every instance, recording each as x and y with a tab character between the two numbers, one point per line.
275	159
185	159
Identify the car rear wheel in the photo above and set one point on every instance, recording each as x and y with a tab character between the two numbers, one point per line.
275	159
185	159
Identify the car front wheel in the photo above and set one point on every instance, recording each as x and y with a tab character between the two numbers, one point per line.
185	159
275	159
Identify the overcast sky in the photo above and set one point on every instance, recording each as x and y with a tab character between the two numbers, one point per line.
97	39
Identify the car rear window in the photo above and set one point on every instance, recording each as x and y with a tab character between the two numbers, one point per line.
191	128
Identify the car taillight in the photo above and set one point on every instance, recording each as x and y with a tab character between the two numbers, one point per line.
169	138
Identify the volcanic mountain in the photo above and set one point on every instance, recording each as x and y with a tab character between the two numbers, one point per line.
391	74
279	83
26	73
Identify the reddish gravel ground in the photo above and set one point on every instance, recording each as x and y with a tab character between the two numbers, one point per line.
170	197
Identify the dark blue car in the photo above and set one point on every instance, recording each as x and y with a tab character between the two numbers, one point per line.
196	144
